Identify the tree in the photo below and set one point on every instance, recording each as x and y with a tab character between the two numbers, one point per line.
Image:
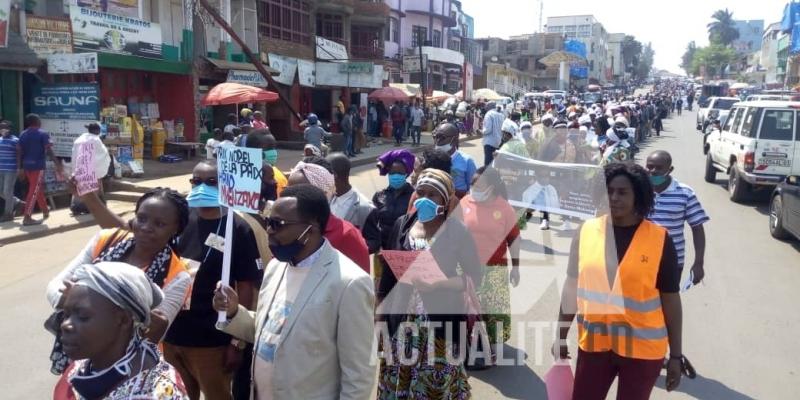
631	51
722	29
688	57
645	62
713	58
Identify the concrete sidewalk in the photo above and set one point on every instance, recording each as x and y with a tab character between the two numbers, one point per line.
125	191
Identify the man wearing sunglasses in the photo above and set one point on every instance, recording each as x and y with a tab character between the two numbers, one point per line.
205	357
313	328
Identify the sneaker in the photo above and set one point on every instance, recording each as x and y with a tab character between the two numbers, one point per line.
545	225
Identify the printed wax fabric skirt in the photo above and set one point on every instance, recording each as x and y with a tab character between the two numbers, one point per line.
495	297
424	379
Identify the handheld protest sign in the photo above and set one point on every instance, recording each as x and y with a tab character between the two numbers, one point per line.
409	266
239	177
85	178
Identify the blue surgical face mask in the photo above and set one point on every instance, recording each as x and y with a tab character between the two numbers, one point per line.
271	156
427	209
203	196
396	180
658	180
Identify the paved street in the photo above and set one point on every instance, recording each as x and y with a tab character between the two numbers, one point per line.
739	328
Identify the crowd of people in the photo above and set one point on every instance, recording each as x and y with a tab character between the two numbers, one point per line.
320	303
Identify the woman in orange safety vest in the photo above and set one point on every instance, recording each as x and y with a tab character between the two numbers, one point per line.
627	304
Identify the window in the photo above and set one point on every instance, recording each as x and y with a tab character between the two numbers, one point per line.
591	65
549	43
330	26
584	30
454	45
285	20
750	124
555	29
392	33
737	122
437	38
729	121
777	125
419	35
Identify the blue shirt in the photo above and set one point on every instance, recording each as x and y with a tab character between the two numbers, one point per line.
34	143
8	153
674	207
462	170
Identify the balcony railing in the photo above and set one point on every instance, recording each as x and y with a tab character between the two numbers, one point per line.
366	52
372	8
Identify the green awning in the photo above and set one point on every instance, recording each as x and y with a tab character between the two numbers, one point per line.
108	60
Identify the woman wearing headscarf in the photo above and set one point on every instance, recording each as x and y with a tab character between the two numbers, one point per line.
118	298
147	241
392	202
416	302
492	222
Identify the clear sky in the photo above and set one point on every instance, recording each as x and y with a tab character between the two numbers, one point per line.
669	24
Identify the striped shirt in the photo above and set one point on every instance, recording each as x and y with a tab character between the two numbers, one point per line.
8	153
677	205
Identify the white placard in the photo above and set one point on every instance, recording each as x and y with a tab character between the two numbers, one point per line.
77	63
330	50
285	65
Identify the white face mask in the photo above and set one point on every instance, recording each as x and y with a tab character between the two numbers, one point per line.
445	147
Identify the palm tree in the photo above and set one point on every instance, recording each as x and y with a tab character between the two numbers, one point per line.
722	30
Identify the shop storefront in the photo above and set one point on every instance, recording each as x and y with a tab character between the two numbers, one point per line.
16	61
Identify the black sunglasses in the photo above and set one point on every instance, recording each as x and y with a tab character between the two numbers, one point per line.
207	181
276	224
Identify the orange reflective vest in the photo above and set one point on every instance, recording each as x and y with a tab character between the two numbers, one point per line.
627	317
109	237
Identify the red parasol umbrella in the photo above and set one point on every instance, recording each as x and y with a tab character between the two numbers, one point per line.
389	95
235	93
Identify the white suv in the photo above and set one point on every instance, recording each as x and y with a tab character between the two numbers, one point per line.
757	146
715	108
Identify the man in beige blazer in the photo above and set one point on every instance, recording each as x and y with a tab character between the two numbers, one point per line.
313	328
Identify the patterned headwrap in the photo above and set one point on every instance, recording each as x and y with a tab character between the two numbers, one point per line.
317	176
440	181
124	285
388	158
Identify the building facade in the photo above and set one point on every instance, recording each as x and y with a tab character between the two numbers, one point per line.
750	35
615	66
587	29
522	53
769	53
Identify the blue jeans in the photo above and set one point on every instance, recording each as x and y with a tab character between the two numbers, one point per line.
348	144
416	134
7	181
398	133
488	154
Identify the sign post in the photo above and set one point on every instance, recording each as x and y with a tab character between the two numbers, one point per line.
239	177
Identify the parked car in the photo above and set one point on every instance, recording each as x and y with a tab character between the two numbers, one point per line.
716	107
784	209
756	147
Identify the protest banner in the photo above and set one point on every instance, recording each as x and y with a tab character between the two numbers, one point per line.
83	171
411	266
575	190
239	180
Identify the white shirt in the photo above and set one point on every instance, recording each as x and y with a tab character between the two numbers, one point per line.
416	116
101	158
341	205
211	148
271	330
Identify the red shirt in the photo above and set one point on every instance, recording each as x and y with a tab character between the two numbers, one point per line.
492	225
348	240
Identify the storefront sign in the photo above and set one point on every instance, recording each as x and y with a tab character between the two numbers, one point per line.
76	63
125	8
306	73
357	67
63	133
110	33
66	101
328	74
252	78
330	50
48	35
5	11
412	65
287	67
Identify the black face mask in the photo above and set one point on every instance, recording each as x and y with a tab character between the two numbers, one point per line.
269	191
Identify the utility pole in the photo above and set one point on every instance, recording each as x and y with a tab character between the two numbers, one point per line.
541	13
250	56
423	75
